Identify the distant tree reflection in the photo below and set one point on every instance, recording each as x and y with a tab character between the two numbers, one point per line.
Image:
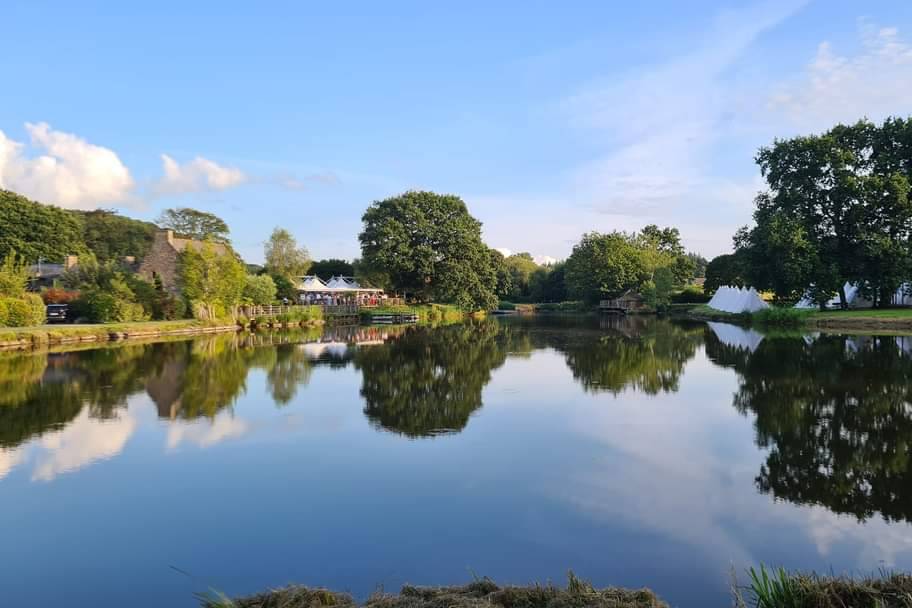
640	354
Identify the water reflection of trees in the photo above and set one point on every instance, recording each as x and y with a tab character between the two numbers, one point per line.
835	413
648	356
429	380
425	381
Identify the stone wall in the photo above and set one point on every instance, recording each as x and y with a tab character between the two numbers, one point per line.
161	261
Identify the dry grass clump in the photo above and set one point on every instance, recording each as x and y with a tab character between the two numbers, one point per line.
479	594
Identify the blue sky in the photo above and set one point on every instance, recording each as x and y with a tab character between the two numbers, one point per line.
549	119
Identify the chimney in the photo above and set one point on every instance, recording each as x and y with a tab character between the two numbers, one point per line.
169	236
70	261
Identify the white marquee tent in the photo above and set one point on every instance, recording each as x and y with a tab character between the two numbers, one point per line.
737	299
853	298
335	285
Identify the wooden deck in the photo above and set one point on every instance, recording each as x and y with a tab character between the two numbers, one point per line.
616	306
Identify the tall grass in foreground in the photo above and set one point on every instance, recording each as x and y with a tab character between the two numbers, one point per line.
775	589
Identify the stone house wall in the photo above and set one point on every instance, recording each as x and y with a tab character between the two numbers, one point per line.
161	261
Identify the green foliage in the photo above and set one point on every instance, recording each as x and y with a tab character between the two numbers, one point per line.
723	270
25	310
193	224
212	284
112	237
776	590
565	306
32	230
837	210
691	294
781	316
326	269
522	269
605	265
284	257
429	247
259	289
14	276
699	264
504	284
285	288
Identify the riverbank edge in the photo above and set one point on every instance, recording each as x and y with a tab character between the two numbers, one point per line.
838	322
32	337
767	587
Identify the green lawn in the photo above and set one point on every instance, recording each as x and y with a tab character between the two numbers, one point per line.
887	313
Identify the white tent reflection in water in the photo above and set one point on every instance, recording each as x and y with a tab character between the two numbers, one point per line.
737	300
737	337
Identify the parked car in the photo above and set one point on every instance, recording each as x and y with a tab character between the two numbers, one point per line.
57	313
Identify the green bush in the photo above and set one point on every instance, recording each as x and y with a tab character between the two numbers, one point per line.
100	306
24	311
690	295
506	306
568	306
780	316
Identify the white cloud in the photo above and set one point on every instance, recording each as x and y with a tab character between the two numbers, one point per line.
205	433
664	122
82	442
538	259
504	251
876	82
9	459
196	175
68	171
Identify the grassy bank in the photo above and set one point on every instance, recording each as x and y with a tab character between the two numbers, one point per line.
25	337
897	319
480	594
764	589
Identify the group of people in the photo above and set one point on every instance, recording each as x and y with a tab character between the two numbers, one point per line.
327	299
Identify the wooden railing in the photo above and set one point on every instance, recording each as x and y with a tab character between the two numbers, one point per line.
614	305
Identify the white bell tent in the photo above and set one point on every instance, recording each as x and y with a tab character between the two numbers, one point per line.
737	300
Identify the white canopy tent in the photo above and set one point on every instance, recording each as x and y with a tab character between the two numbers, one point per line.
737	299
335	285
853	298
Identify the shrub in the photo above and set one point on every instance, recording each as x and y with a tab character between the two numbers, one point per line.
24	311
507	306
690	295
56	295
781	316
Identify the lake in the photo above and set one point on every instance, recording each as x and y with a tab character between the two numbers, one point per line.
636	452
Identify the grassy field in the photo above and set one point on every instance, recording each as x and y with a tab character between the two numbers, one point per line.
887	313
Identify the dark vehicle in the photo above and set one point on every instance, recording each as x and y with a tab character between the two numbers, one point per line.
57	313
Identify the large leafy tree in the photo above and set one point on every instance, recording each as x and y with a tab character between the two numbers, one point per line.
605	265
844	197
32	230
283	256
429	247
211	282
723	270
191	223
325	269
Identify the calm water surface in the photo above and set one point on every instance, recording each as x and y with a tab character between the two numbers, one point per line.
637	453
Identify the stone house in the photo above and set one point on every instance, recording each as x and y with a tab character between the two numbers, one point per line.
162	258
